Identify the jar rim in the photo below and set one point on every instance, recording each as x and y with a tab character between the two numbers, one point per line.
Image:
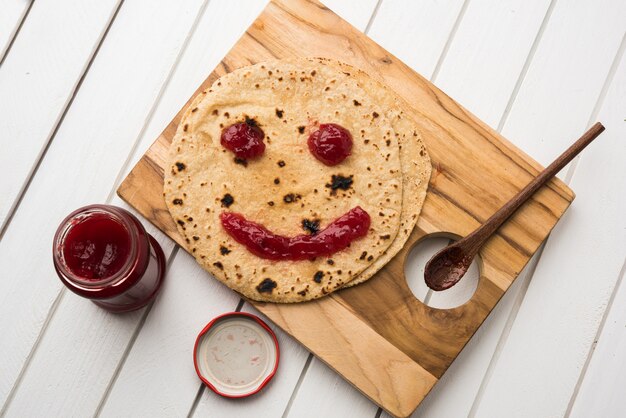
80	215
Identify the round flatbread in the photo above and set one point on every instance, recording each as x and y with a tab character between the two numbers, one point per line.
287	184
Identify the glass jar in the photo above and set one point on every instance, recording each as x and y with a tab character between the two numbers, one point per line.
103	253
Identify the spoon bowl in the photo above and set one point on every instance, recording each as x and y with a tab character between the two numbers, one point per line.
447	267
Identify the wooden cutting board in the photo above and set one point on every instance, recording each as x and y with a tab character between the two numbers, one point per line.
377	335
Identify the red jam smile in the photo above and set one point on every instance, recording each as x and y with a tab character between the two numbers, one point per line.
331	143
96	248
244	139
265	244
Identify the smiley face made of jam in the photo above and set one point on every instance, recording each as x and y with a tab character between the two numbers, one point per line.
330	144
285	180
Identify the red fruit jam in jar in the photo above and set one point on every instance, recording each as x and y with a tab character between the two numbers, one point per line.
103	253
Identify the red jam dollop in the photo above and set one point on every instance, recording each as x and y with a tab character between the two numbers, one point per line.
331	143
96	247
264	243
244	139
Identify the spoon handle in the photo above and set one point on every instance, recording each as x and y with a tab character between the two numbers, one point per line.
480	235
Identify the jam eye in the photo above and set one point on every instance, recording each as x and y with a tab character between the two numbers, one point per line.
244	139
331	143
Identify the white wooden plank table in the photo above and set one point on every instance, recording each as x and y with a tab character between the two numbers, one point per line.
85	87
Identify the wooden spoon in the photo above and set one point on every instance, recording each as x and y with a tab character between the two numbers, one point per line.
447	267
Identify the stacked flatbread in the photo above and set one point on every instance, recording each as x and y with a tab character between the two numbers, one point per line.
288	99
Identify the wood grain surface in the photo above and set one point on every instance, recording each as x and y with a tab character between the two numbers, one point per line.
377	335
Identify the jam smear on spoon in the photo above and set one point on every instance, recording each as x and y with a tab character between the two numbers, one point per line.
262	242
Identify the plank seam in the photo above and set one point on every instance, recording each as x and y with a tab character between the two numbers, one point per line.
372	17
16	32
446	46
32	352
600	101
294	394
4	225
196	401
526	66
121	174
525	280
129	346
592	349
240	305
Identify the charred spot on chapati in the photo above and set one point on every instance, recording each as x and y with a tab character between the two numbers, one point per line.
279	113
301	129
219	265
251	122
311	226
180	166
224	250
339	182
317	277
281	163
266	286
291	197
227	200
177	201
241	161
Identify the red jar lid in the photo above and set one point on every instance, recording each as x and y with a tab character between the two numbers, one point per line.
236	354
